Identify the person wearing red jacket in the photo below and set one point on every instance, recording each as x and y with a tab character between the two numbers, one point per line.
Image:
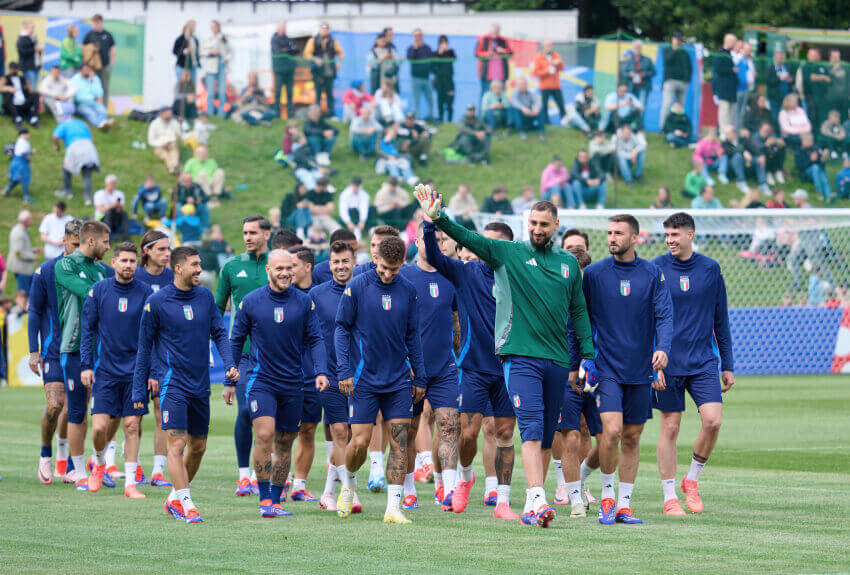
547	67
493	53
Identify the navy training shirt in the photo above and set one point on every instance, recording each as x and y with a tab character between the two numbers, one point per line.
322	272
326	296
43	326
157	282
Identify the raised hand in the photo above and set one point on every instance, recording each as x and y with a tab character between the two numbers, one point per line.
429	200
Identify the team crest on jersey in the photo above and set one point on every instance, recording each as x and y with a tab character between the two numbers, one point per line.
278	315
254	405
165	417
434	289
625	287
122	304
565	271
46	366
516	400
684	283
188	313
386	302
71	384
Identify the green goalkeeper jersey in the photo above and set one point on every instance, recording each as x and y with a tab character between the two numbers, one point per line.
240	275
537	291
75	275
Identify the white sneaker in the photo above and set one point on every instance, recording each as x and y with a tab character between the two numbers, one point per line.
600	206
578	511
780	177
722	179
745	189
770	180
327	502
45	470
765	190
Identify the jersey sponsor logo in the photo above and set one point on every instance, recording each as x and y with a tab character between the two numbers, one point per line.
188	312
38	270
165	416
155	287
532	262
312	305
83	275
147	307
662	276
91	293
516	400
278	315
434	289
242	274
254	405
122	304
565	271
347	291
386	302
625	287
684	283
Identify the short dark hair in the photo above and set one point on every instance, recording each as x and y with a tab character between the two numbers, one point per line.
125	247
97	18
626	219
285	239
680	221
304	254
581	256
72	228
93	228
181	254
340	246
392	250
500	189
385	231
342	235
576	232
501	228
61	205
264	224
546	206
356	180
704	188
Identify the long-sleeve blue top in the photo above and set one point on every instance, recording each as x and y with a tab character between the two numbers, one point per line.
322	272
157	282
326	296
110	328
43	327
180	324
283	328
631	316
377	333
700	315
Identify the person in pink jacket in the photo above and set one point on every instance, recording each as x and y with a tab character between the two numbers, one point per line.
709	152
793	121
555	181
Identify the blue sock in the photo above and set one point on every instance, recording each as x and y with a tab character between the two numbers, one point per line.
70	464
277	491
265	493
244	436
47	451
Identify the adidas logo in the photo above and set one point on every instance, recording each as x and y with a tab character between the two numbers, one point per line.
242	274
532	262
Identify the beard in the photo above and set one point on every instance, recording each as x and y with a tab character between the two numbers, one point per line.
619	250
540	243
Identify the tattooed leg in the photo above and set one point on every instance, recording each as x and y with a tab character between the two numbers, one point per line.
397	460
504	449
282	456
264	436
412	433
197	448
447	424
176	468
54	394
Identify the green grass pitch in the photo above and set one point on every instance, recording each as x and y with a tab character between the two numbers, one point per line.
773	492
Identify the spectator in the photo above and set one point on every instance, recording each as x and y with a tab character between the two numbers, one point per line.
492	53
793	121
22	254
354	207
284	62
207	174
525	201
662	200
745	72
443	65
109	205
99	53
779	83
810	162
4	274
354	100
321	202
396	163
462	206
677	127
252	106
164	138
321	136
588	183
733	152
709	153
189	192
756	115
70	52
88	98
317	241
498	202
216	53
695	180
202	129
637	72
837	89
80	157
393	204
382	63
495	106
766	155
363	133
816	80
420	55
622	107
842	180
547	67
19	167
19	99
473	138
414	138
777	201
555	181
184	105
214	252
52	230
832	134
388	105
800	197
751	200
187	51
584	113
724	83
57	94
307	168
149	196
706	200
677	75
631	154
527	110
295	210
601	150
30	53
188	223
326	54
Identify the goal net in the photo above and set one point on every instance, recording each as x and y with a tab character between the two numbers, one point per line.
787	276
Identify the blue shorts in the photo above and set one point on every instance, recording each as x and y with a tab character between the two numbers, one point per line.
572	411
75	392
183	412
633	401
363	405
311	407
335	405
51	369
536	389
703	388
484	393
114	399
442	390
285	405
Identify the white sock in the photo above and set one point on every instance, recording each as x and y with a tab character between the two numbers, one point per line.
253	477
625	497
586	470
110	453
394	496
574	489
490	483
129	473
465	473
695	470
376	469
244	473
299	484
99	459
438	480
329	445
409	485
668	486
123	443
607	486
185	499
417	463
427	458
559	472
449	480
62	449
172	495
347	476
503	494
330	481
80	466
534	498
159	463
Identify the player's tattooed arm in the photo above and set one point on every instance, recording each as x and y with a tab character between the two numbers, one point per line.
504	464
397	460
